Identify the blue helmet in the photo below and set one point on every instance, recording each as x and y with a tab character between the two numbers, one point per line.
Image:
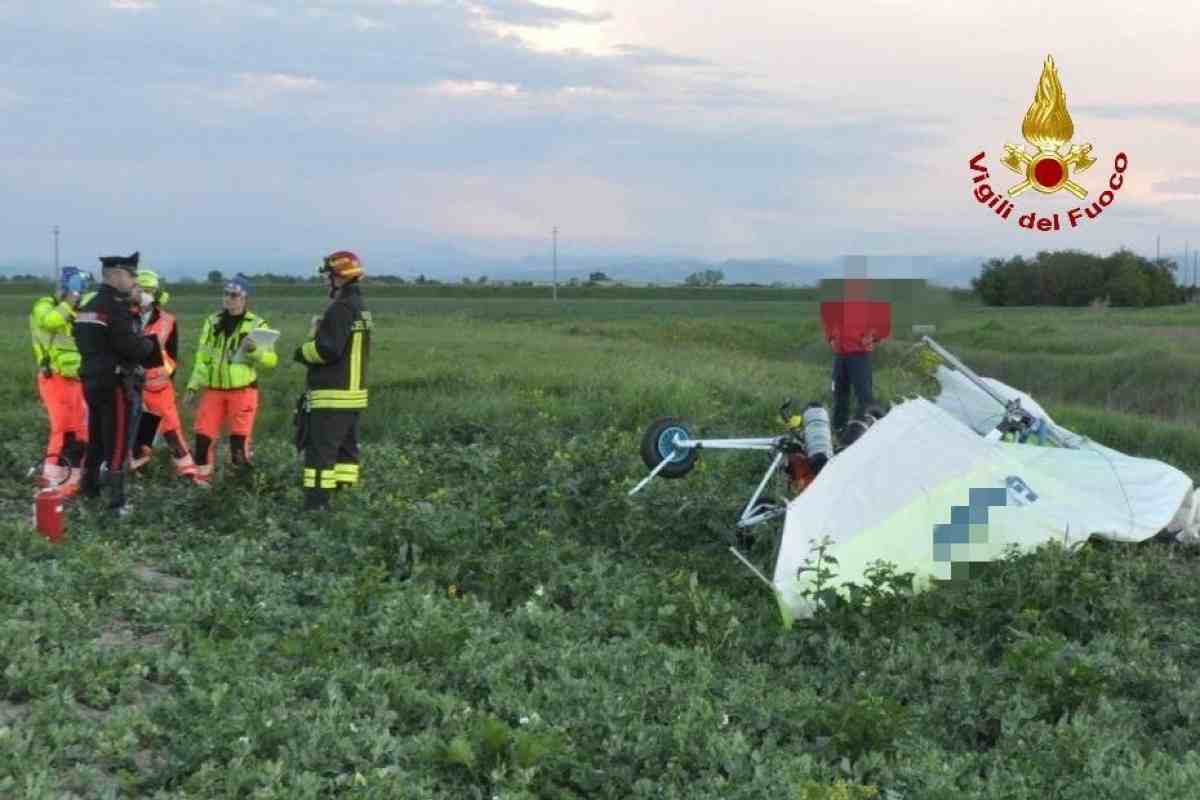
73	280
239	283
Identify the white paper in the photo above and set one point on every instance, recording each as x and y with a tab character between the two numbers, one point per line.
263	338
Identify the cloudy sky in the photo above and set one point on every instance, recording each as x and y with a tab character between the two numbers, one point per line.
753	129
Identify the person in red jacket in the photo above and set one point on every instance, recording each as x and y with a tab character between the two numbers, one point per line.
160	414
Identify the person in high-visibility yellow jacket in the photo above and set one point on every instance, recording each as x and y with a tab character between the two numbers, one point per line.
225	371
58	381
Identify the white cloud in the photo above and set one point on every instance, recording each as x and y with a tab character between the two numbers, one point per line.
258	90
588	39
460	88
597	210
366	23
588	91
278	82
567	26
764	127
1184	184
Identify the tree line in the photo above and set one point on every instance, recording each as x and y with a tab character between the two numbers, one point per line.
1074	278
1061	278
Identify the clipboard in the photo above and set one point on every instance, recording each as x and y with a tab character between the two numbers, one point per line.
263	338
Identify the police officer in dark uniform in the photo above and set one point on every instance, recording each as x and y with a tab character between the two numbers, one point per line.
113	354
336	356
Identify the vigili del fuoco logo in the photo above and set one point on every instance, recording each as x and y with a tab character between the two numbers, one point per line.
1047	168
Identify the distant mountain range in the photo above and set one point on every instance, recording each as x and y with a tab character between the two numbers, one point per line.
947	272
525	260
448	264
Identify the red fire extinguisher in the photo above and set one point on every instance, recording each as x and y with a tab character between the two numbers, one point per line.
48	514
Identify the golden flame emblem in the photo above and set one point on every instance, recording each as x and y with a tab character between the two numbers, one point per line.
1048	127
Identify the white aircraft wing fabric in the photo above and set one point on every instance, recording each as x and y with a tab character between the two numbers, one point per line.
924	490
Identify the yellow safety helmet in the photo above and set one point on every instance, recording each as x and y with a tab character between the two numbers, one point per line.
149	281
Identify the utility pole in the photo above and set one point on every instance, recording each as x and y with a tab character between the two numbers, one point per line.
1158	249
556	263
56	255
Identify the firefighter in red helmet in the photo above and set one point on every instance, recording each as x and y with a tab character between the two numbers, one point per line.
336	355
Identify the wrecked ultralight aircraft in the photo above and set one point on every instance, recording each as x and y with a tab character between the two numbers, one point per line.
932	488
935	486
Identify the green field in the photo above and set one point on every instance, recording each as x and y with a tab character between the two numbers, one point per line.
553	638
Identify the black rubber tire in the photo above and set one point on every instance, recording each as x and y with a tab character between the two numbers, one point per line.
652	455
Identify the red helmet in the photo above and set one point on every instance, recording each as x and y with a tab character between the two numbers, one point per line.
343	264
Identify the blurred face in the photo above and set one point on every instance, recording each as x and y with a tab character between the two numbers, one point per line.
135	293
120	279
234	303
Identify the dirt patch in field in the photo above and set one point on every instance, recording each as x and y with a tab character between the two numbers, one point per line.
123	634
146	694
94	781
159	581
12	712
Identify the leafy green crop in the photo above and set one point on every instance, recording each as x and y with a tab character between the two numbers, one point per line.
490	616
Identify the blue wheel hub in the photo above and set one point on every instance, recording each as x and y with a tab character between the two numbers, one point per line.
667	450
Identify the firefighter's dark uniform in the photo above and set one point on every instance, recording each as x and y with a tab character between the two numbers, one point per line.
336	394
111	350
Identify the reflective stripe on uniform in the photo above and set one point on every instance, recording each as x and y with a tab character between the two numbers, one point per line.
356	362
337	398
346	473
160	329
310	353
92	318
320	478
